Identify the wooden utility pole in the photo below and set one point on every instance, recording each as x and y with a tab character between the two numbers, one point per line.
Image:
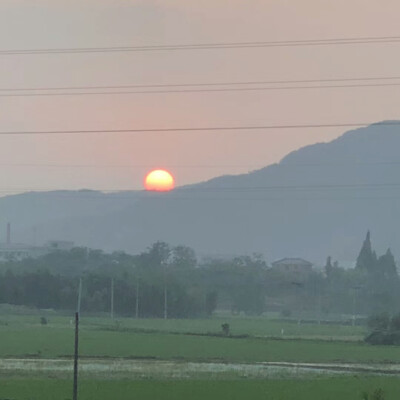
76	350
112	298
78	308
165	294
355	292
165	302
76	353
137	300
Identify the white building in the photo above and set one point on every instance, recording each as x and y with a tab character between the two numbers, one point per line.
18	251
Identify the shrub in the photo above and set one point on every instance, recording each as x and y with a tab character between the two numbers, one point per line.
226	330
383	338
385	330
377	394
286	313
379	322
395	323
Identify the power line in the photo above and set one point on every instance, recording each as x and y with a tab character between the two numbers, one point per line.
231	189
231	83
208	46
201	166
128	165
205	198
275	165
248	89
202	129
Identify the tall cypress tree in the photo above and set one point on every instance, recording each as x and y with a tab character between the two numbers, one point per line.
367	259
387	265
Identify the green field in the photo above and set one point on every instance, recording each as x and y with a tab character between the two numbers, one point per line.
263	327
326	389
189	341
25	337
56	342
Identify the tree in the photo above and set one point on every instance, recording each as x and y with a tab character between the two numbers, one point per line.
254	261
328	267
387	265
395	323
183	257
367	260
157	255
385	330
379	322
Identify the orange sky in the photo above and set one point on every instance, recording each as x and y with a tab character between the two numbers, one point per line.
120	161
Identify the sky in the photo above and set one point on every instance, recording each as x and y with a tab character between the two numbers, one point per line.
119	161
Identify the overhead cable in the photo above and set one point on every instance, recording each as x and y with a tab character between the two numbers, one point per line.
199	129
207	46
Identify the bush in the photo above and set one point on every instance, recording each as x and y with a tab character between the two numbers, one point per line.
379	322
395	323
383	338
377	394
43	321
226	330
385	330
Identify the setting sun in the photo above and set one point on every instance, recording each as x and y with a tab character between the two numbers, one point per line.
159	180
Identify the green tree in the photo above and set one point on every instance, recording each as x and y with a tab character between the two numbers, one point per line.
328	267
395	323
183	257
387	265
379	322
157	255
367	260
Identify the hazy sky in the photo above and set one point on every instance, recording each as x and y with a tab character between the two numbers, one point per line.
119	161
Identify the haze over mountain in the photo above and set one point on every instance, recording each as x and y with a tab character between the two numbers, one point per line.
318	201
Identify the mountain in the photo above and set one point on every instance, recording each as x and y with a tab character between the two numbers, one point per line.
319	200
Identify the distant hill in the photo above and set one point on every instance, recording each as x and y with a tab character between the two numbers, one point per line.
318	201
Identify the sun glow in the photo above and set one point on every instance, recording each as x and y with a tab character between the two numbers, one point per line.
159	180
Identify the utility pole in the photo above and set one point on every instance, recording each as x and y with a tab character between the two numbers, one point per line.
165	302
76	349
355	289
78	308
112	298
299	286
165	293
76	353
137	300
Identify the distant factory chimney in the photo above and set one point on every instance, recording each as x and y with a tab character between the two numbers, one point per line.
8	234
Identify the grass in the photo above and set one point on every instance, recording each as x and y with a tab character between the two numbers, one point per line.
250	326
165	346
23	336
349	388
57	341
255	326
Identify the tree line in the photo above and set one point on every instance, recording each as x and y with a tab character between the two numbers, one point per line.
171	279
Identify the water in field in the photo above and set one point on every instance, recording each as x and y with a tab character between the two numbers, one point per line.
154	369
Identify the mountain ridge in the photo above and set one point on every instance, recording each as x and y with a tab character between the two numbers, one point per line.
317	201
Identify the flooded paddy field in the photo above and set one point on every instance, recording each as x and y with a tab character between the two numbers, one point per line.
153	359
155	369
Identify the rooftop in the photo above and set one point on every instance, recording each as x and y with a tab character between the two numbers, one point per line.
291	261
